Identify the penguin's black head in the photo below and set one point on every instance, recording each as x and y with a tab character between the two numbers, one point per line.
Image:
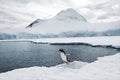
61	50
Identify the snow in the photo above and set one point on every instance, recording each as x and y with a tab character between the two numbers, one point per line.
56	26
108	40
105	68
104	40
70	14
70	20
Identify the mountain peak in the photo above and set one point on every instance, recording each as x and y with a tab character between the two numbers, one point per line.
70	14
64	15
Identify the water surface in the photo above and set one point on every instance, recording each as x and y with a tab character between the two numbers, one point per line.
14	55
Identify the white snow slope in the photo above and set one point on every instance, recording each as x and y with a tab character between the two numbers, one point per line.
70	20
105	68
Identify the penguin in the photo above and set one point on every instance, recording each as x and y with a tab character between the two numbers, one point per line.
64	56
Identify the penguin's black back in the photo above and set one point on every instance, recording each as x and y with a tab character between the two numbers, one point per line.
61	50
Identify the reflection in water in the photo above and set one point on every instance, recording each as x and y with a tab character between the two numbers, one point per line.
26	54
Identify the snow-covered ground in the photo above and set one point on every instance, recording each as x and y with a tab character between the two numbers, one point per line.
105	68
111	40
107	40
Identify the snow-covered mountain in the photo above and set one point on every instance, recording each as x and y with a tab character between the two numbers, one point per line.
66	20
65	16
69	15
34	22
67	23
69	20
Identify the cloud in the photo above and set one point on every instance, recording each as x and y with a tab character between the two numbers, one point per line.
101	10
102	17
93	10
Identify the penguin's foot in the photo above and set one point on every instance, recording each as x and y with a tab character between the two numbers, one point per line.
67	62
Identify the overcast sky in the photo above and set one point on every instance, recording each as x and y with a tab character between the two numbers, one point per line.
92	10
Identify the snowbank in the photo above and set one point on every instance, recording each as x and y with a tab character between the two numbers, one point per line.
106	40
110	40
105	68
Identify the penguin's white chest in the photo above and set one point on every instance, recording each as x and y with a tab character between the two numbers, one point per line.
63	57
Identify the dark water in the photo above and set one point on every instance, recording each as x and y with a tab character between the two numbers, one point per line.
14	55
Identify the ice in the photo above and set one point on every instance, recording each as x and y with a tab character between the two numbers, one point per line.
106	40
